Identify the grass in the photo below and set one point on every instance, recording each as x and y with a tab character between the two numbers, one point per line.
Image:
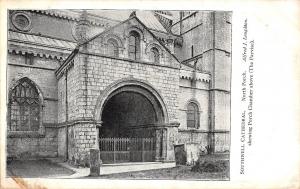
178	172
36	168
210	166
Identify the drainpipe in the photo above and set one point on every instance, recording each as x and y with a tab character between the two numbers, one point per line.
212	86
67	115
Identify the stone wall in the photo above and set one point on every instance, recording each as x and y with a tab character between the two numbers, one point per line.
196	32
221	85
81	138
42	74
41	23
199	94
70	102
44	78
28	147
104	71
62	142
121	35
195	143
222	142
87	80
202	30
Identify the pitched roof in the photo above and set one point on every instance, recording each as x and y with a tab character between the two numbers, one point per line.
41	40
146	16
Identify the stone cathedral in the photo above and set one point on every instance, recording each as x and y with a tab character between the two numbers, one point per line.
109	79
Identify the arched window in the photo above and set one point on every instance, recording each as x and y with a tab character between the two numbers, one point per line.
24	107
154	55
192	115
134	45
112	47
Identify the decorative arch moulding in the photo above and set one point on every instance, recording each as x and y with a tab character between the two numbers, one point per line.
127	84
135	28
154	44
116	37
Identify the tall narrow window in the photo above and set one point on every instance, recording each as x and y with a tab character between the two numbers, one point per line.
154	55
112	47
134	45
24	107
192	115
28	58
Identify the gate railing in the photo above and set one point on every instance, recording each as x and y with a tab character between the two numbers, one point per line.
114	150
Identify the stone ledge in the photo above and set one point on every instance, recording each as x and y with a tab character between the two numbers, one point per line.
79	121
158	126
25	134
143	62
203	131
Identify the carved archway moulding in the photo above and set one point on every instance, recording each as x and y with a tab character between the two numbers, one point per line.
115	37
137	86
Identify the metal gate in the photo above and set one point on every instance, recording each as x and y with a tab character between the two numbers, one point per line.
116	150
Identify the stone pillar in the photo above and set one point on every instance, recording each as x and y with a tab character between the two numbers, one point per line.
161	144
166	137
94	162
98	125
158	144
172	137
164	143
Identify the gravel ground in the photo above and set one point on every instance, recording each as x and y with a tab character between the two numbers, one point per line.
36	169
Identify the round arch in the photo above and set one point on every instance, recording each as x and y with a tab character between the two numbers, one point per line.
137	86
115	37
195	101
198	111
136	29
155	45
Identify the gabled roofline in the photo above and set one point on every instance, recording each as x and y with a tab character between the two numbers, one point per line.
76	50
105	31
68	59
149	30
157	39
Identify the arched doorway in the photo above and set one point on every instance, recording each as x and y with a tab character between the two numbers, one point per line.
125	111
132	113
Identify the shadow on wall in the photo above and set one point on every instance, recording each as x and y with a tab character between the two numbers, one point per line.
180	154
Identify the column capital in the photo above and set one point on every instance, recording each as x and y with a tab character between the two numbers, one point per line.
98	124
